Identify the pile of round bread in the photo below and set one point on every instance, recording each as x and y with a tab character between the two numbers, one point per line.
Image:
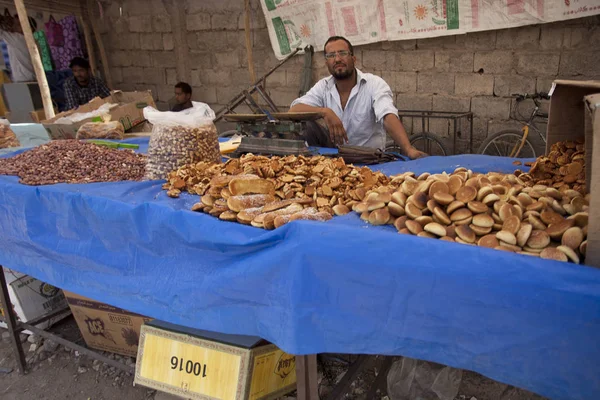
492	210
268	192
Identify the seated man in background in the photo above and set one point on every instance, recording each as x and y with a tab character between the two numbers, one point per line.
357	107
183	97
82	86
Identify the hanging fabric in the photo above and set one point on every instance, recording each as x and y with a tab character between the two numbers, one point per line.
45	54
54	32
72	47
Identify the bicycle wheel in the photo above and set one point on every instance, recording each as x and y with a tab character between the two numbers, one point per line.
430	143
503	143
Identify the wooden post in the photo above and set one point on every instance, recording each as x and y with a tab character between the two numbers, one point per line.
249	42
89	44
103	58
36	60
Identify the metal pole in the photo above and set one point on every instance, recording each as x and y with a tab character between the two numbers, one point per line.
11	323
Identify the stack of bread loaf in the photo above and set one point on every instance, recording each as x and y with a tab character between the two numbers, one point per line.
491	210
269	192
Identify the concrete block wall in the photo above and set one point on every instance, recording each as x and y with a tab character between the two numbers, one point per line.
155	43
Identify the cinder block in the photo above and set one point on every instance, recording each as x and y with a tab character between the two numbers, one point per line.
133	75
227	59
477	40
194	6
127	41
401	82
480	130
440	42
451	103
277	79
151	41
507	85
224	22
536	64
544	84
585	62
165	92
140	59
226	93
171	75
454	61
155	75
257	21
141	23
198	22
526	37
413	102
283	97
192	41
168	43
117	74
201	59
474	84
161	23
213	40
164	59
120	58
419	60
205	94
552	36
377	60
435	83
215	77
491	107
398	45
493	62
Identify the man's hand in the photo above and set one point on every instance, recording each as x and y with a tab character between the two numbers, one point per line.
335	127
413	153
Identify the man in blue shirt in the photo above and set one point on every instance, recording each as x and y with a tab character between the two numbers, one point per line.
357	107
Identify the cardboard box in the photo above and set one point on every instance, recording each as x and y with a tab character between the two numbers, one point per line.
129	113
198	364
574	114
105	327
32	298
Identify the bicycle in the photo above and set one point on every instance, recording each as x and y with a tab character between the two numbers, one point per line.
515	143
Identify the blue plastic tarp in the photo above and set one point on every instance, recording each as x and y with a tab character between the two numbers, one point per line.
343	286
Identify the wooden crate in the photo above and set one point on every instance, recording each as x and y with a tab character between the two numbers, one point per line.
203	365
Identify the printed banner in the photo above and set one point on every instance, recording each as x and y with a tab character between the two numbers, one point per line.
297	23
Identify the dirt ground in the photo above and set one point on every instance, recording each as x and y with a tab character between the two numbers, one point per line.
57	373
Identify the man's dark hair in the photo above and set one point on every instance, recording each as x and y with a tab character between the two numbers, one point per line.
336	38
79	62
185	88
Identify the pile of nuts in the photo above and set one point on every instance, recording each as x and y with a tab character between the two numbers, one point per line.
563	168
491	210
288	185
172	147
7	137
72	161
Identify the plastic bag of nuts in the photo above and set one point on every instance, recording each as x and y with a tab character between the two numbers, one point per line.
7	136
101	130
180	138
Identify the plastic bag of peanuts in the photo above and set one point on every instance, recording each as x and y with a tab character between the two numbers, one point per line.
7	136
180	138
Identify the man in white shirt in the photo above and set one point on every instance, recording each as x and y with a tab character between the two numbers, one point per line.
357	107
18	54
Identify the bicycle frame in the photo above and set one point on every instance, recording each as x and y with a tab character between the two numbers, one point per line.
529	123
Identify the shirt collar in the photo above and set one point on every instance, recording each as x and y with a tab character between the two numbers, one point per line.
360	77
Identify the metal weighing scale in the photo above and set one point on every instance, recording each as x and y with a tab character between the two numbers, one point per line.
279	134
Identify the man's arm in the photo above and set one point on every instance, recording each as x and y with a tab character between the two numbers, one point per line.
383	106
104	90
70	101
313	101
396	130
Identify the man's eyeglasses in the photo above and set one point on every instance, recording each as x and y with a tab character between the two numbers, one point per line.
341	53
